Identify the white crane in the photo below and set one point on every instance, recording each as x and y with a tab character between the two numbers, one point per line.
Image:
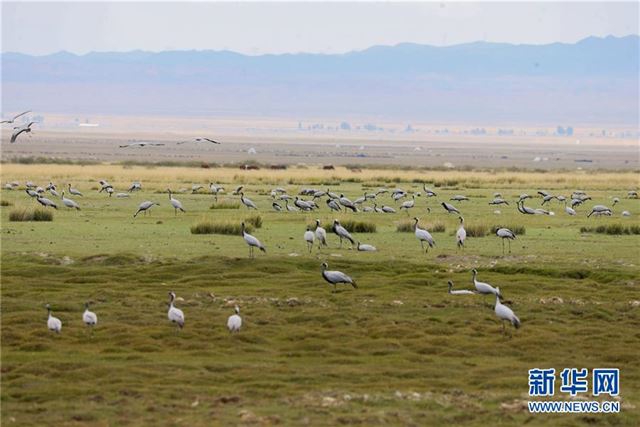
484	288
387	209
505	313
459	198
177	205
69	203
461	234
459	292
122	195
175	315
15	117
321	235
366	248
450	208
335	277
19	130
252	242
89	317
505	233
423	236
53	323
247	202
145	206
309	237
342	232
234	322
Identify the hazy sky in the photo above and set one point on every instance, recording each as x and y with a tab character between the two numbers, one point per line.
257	28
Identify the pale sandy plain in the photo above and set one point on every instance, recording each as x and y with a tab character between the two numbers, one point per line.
280	141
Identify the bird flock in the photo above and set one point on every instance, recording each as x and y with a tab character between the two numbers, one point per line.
307	201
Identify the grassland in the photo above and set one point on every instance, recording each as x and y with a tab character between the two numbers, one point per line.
397	351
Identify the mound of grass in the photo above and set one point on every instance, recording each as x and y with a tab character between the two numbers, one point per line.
254	220
612	229
354	226
225	204
30	215
519	230
221	227
4	203
407	226
477	230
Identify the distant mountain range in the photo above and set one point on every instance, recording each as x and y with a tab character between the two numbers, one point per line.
592	81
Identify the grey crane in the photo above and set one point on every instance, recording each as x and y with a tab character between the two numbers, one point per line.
333	205
144	207
309	237
276	207
335	277
505	233
15	117
599	210
484	288
247	202
18	130
74	191
69	203
46	202
459	292
347	203
251	241
321	235
177	205
450	208
142	144
423	236
342	232
505	313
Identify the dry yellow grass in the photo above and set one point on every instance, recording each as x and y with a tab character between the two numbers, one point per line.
160	177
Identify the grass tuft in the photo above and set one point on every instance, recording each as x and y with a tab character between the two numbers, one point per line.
477	230
5	203
30	215
612	229
220	227
354	226
225	204
407	227
254	220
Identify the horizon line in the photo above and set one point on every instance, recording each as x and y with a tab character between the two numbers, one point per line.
610	36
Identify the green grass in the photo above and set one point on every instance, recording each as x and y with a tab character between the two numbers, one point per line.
226	227
407	226
612	229
225	204
37	214
354	226
399	350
